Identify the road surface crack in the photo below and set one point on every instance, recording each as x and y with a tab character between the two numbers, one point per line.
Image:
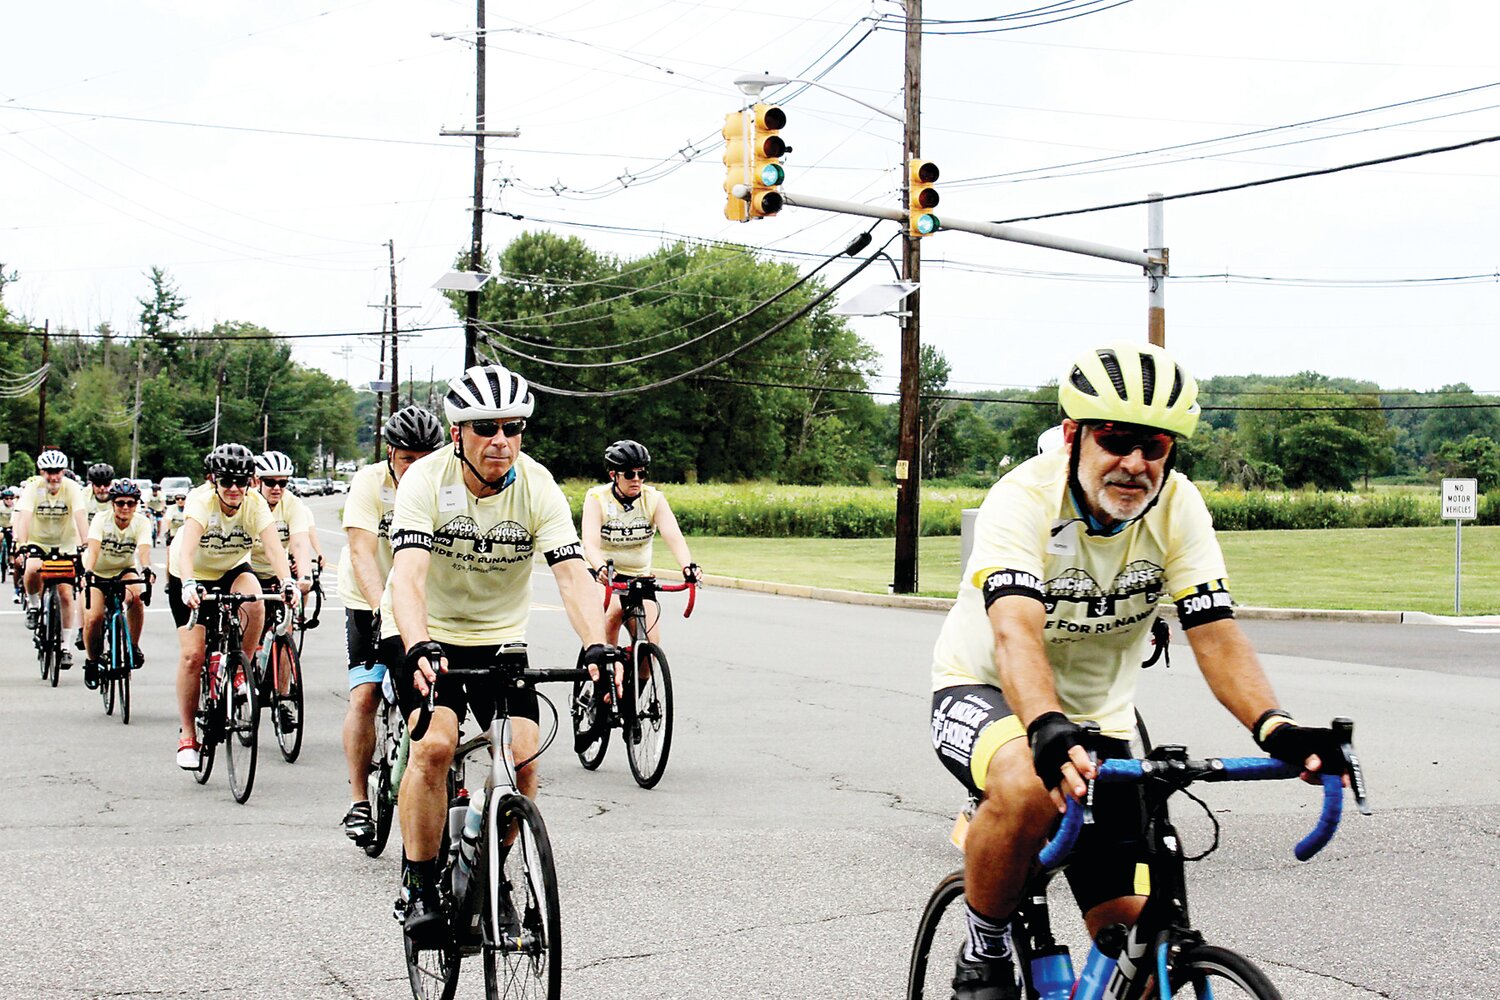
1372	991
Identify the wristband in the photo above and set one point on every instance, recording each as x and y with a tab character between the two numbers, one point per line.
1269	720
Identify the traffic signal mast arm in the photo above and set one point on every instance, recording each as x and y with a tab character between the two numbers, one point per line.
1010	234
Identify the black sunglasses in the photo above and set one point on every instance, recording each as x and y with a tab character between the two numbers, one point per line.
232	481
1122	441
631	473
126	503
275	483
489	428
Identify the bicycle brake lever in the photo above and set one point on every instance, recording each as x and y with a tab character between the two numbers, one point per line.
1344	729
1088	796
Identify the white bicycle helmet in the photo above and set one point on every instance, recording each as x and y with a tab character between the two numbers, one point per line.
487	392
51	460
274	463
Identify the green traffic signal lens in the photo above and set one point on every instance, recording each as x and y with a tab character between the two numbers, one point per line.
772	174
927	223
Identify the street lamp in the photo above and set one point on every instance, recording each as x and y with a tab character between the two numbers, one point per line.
752	84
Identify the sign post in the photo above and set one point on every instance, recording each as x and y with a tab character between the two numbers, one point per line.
1460	504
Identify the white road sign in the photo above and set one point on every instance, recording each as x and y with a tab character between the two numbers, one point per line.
1460	499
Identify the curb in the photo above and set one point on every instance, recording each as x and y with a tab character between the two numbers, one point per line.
1168	609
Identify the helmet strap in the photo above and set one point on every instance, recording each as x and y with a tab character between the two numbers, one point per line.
497	485
625	501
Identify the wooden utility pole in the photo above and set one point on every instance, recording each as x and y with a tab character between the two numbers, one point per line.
379	398
908	456
476	245
135	434
41	412
395	335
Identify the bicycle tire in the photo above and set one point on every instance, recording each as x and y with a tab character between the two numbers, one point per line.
648	743
920	972
106	674
128	668
240	721
39	640
1196	966
432	972
379	787
528	879
54	640
289	664
592	755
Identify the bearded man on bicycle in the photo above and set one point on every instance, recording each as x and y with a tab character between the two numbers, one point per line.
468	524
1073	552
49	515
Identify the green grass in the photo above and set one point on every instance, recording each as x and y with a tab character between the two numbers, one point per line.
1404	569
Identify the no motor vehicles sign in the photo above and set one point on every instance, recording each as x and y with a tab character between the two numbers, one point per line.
1460	499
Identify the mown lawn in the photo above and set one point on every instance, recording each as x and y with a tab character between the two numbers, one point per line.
1404	569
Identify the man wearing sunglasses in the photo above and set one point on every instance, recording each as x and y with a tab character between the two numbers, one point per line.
1074	552
409	434
49	515
119	548
620	519
468	525
100	475
224	517
294	522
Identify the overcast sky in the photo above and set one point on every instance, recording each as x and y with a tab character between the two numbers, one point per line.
172	152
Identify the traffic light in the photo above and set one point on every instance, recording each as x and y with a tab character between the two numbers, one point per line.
921	198
738	132
767	149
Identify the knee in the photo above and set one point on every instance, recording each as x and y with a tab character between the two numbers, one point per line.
434	753
1013	788
363	700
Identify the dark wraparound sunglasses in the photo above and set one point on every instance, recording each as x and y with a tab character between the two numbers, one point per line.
489	428
232	481
279	484
631	473
1121	441
126	503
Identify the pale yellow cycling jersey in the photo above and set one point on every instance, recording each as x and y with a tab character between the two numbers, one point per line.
52	522
625	533
117	545
370	505
1100	591
174	517
226	538
479	579
93	506
291	517
5	515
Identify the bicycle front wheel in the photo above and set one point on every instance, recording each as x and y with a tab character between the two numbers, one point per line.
240	739
943	929
54	640
1206	971
649	735
286	709
522	916
380	786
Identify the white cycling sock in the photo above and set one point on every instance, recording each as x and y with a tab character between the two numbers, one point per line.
989	940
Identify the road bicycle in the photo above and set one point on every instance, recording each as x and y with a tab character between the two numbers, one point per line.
56	571
307	622
278	680
119	647
501	899
227	700
642	708
1162	955
387	764
7	543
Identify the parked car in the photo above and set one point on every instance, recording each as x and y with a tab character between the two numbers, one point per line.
173	487
339	485
146	492
300	486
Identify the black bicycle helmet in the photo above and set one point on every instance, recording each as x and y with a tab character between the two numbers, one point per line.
124	488
627	455
230	460
413	429
101	474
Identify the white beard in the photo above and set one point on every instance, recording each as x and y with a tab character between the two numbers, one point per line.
1119	510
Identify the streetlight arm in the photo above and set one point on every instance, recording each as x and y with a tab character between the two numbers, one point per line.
753	85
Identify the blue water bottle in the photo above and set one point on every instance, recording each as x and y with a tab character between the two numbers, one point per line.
1100	963
1052	973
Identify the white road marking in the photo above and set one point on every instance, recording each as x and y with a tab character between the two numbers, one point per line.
1481	631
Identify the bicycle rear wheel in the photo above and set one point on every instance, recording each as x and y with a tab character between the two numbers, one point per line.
648	742
432	972
380	785
287	669
54	638
522	915
1206	971
582	708
241	743
940	933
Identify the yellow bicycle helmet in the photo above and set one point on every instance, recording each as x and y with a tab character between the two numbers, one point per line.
1131	383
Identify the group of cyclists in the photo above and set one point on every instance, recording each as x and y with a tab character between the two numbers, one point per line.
1075	551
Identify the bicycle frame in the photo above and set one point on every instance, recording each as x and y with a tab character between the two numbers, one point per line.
634	594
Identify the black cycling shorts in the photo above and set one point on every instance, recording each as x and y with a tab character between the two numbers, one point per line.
180	611
362	644
1110	858
460	694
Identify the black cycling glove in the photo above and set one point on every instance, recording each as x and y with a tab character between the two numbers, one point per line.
430	650
692	573
1293	744
1051	736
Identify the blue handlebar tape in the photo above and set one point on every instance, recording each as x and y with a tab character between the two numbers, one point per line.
1333	809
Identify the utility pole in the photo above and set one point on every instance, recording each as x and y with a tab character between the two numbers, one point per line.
379	398
1156	273
265	432
135	434
395	334
476	246
41	413
908	457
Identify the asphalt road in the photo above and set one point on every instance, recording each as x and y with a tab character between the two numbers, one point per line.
801	824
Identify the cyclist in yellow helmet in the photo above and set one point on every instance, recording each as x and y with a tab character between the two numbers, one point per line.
1074	551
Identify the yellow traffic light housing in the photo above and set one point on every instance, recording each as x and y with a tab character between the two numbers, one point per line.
738	132
922	197
767	149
